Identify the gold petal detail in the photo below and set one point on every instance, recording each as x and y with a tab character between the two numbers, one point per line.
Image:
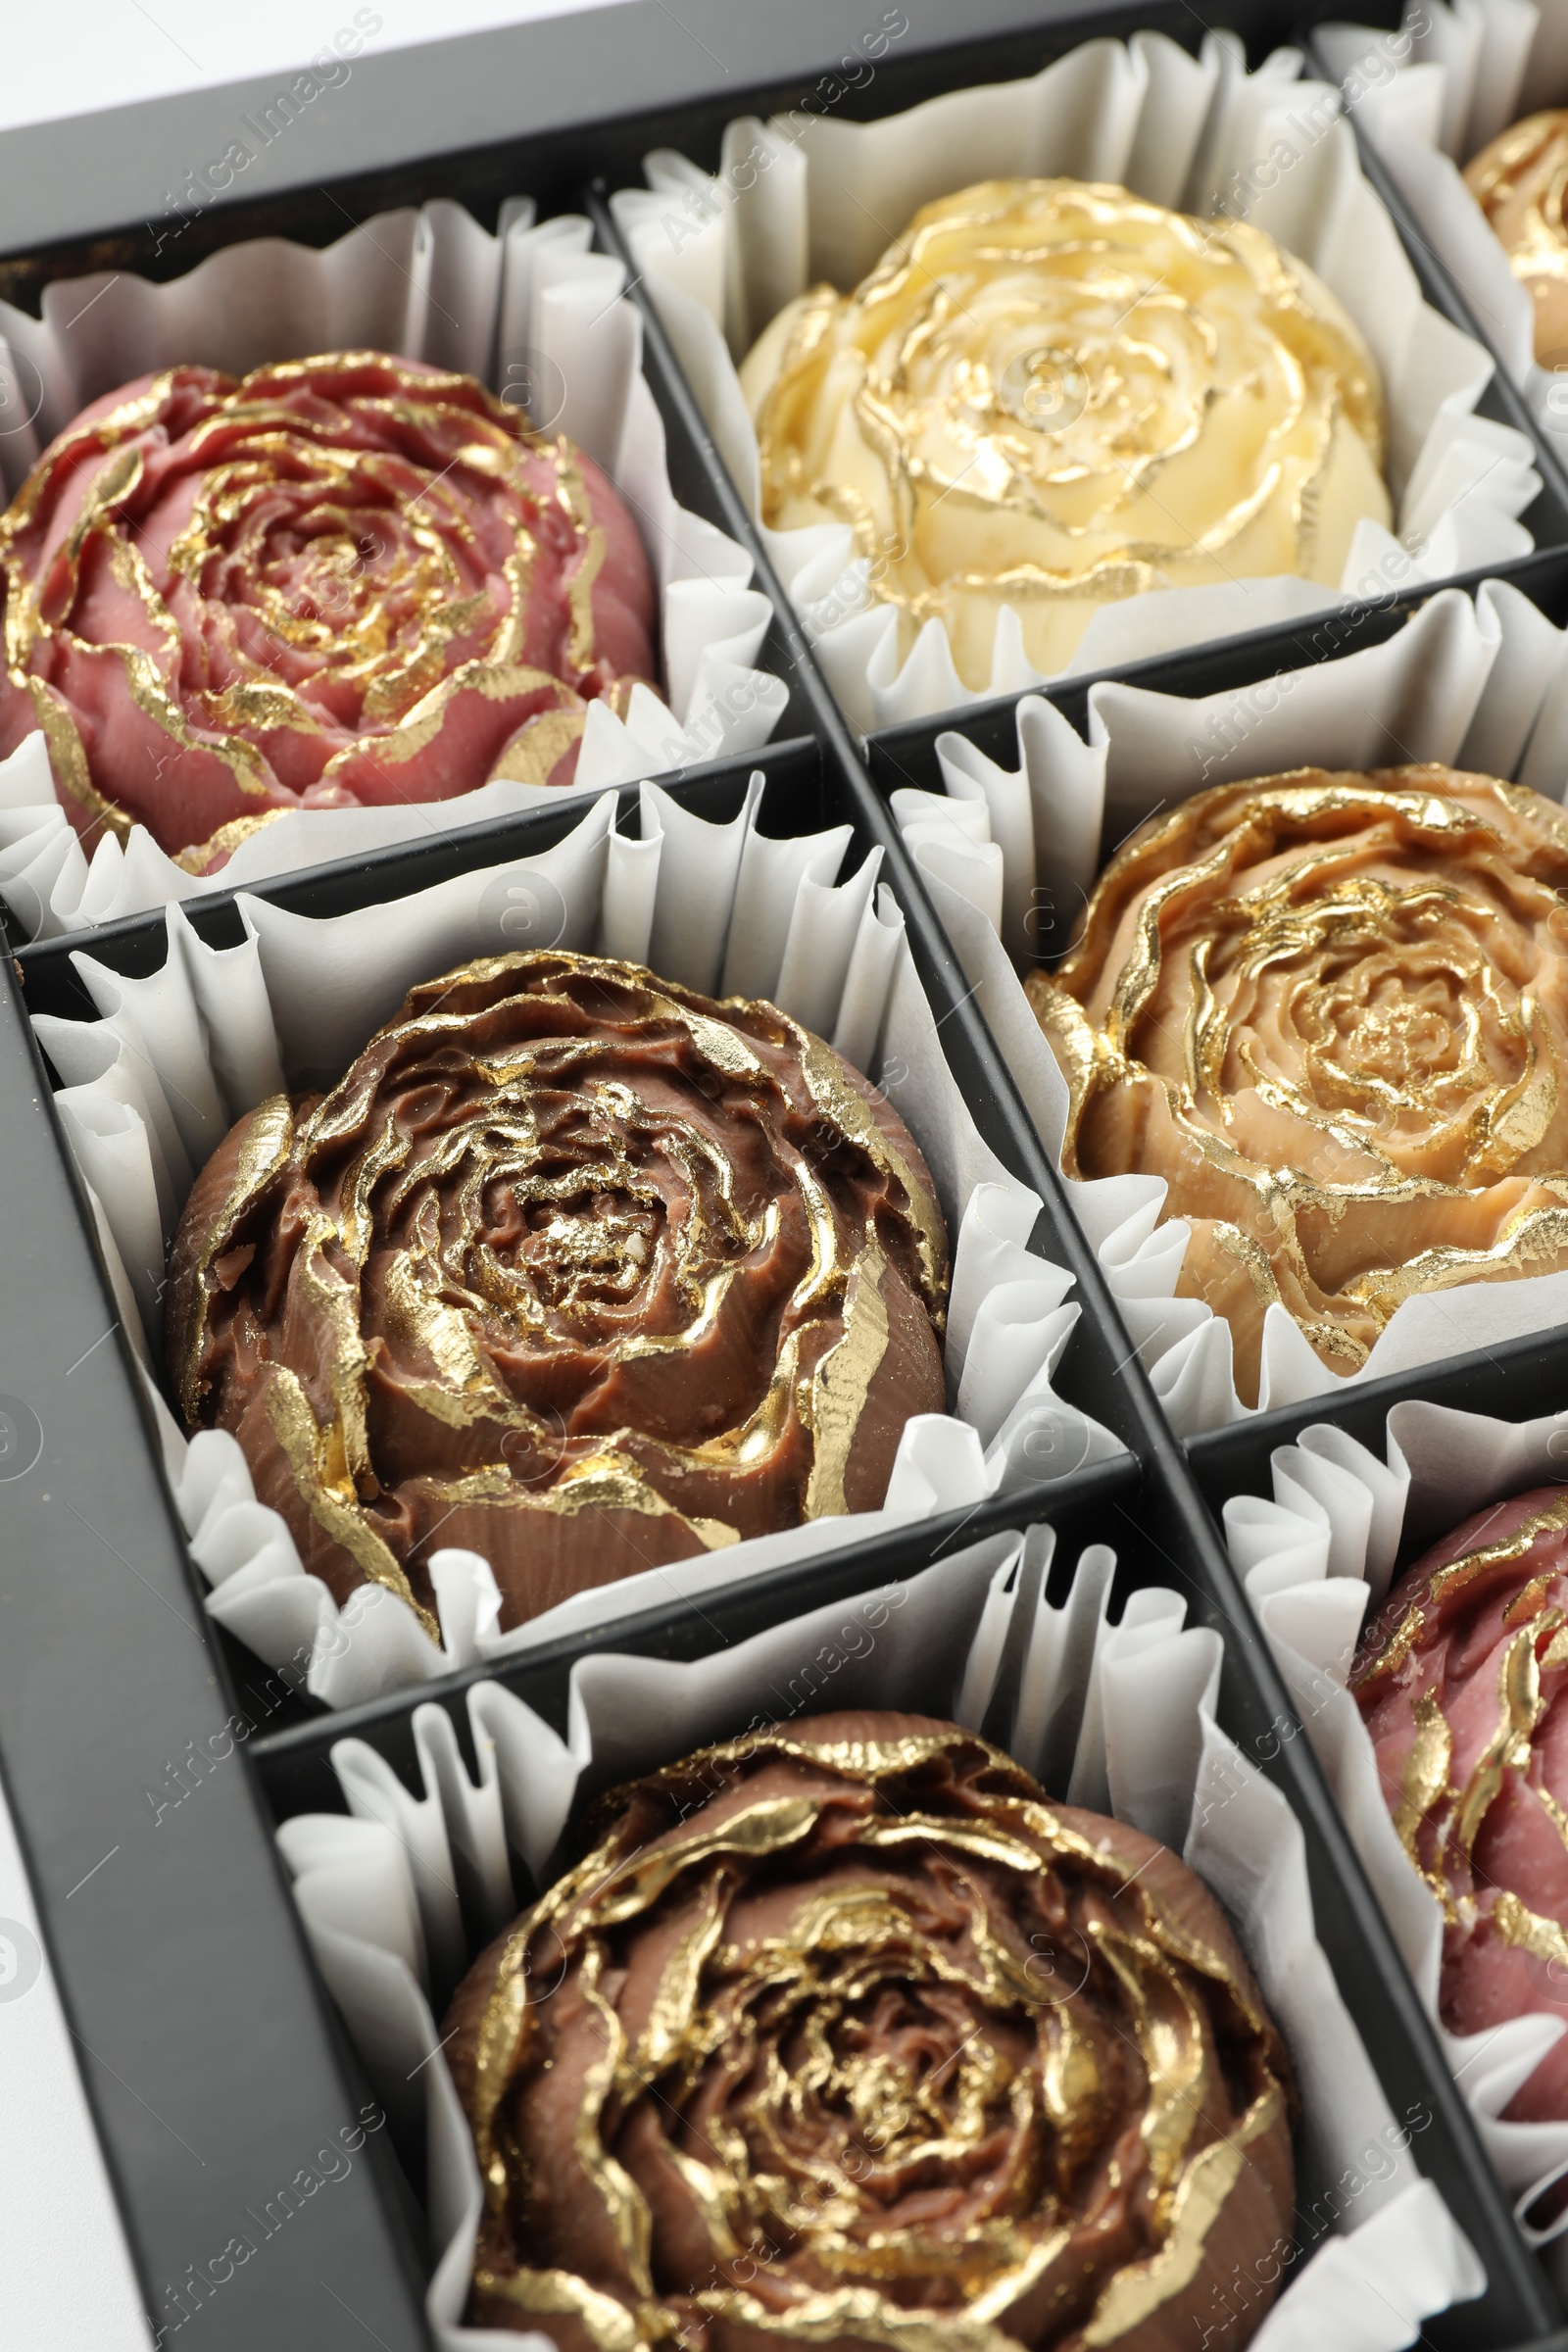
67	758
841	1385
1136	2293
262	1155
538	747
320	1475
608	2325
226	841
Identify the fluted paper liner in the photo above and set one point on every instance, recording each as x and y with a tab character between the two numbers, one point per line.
1010	858
806	197
1120	1718
152	1085
534	315
1317	1559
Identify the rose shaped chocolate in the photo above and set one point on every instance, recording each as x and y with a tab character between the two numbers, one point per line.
1518	180
573	1267
1051	395
1331	1011
843	2035
1462	1680
341	582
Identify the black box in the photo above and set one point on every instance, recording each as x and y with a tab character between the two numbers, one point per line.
211	2058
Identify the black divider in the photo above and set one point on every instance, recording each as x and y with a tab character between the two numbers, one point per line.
1095	1504
294	1766
296	216
907	755
104	1471
1518	1380
1541	573
1105	1503
1368	1964
1369	1969
795	800
971	1054
803	793
182	1969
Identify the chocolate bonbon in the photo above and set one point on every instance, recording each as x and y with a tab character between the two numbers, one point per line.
841	2034
573	1267
1518	180
1460	1679
1050	395
1331	1010
338	582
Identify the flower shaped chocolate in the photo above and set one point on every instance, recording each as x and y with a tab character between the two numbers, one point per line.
1462	1679
1050	395
573	1267
842	2036
1518	180
344	581
1331	1011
